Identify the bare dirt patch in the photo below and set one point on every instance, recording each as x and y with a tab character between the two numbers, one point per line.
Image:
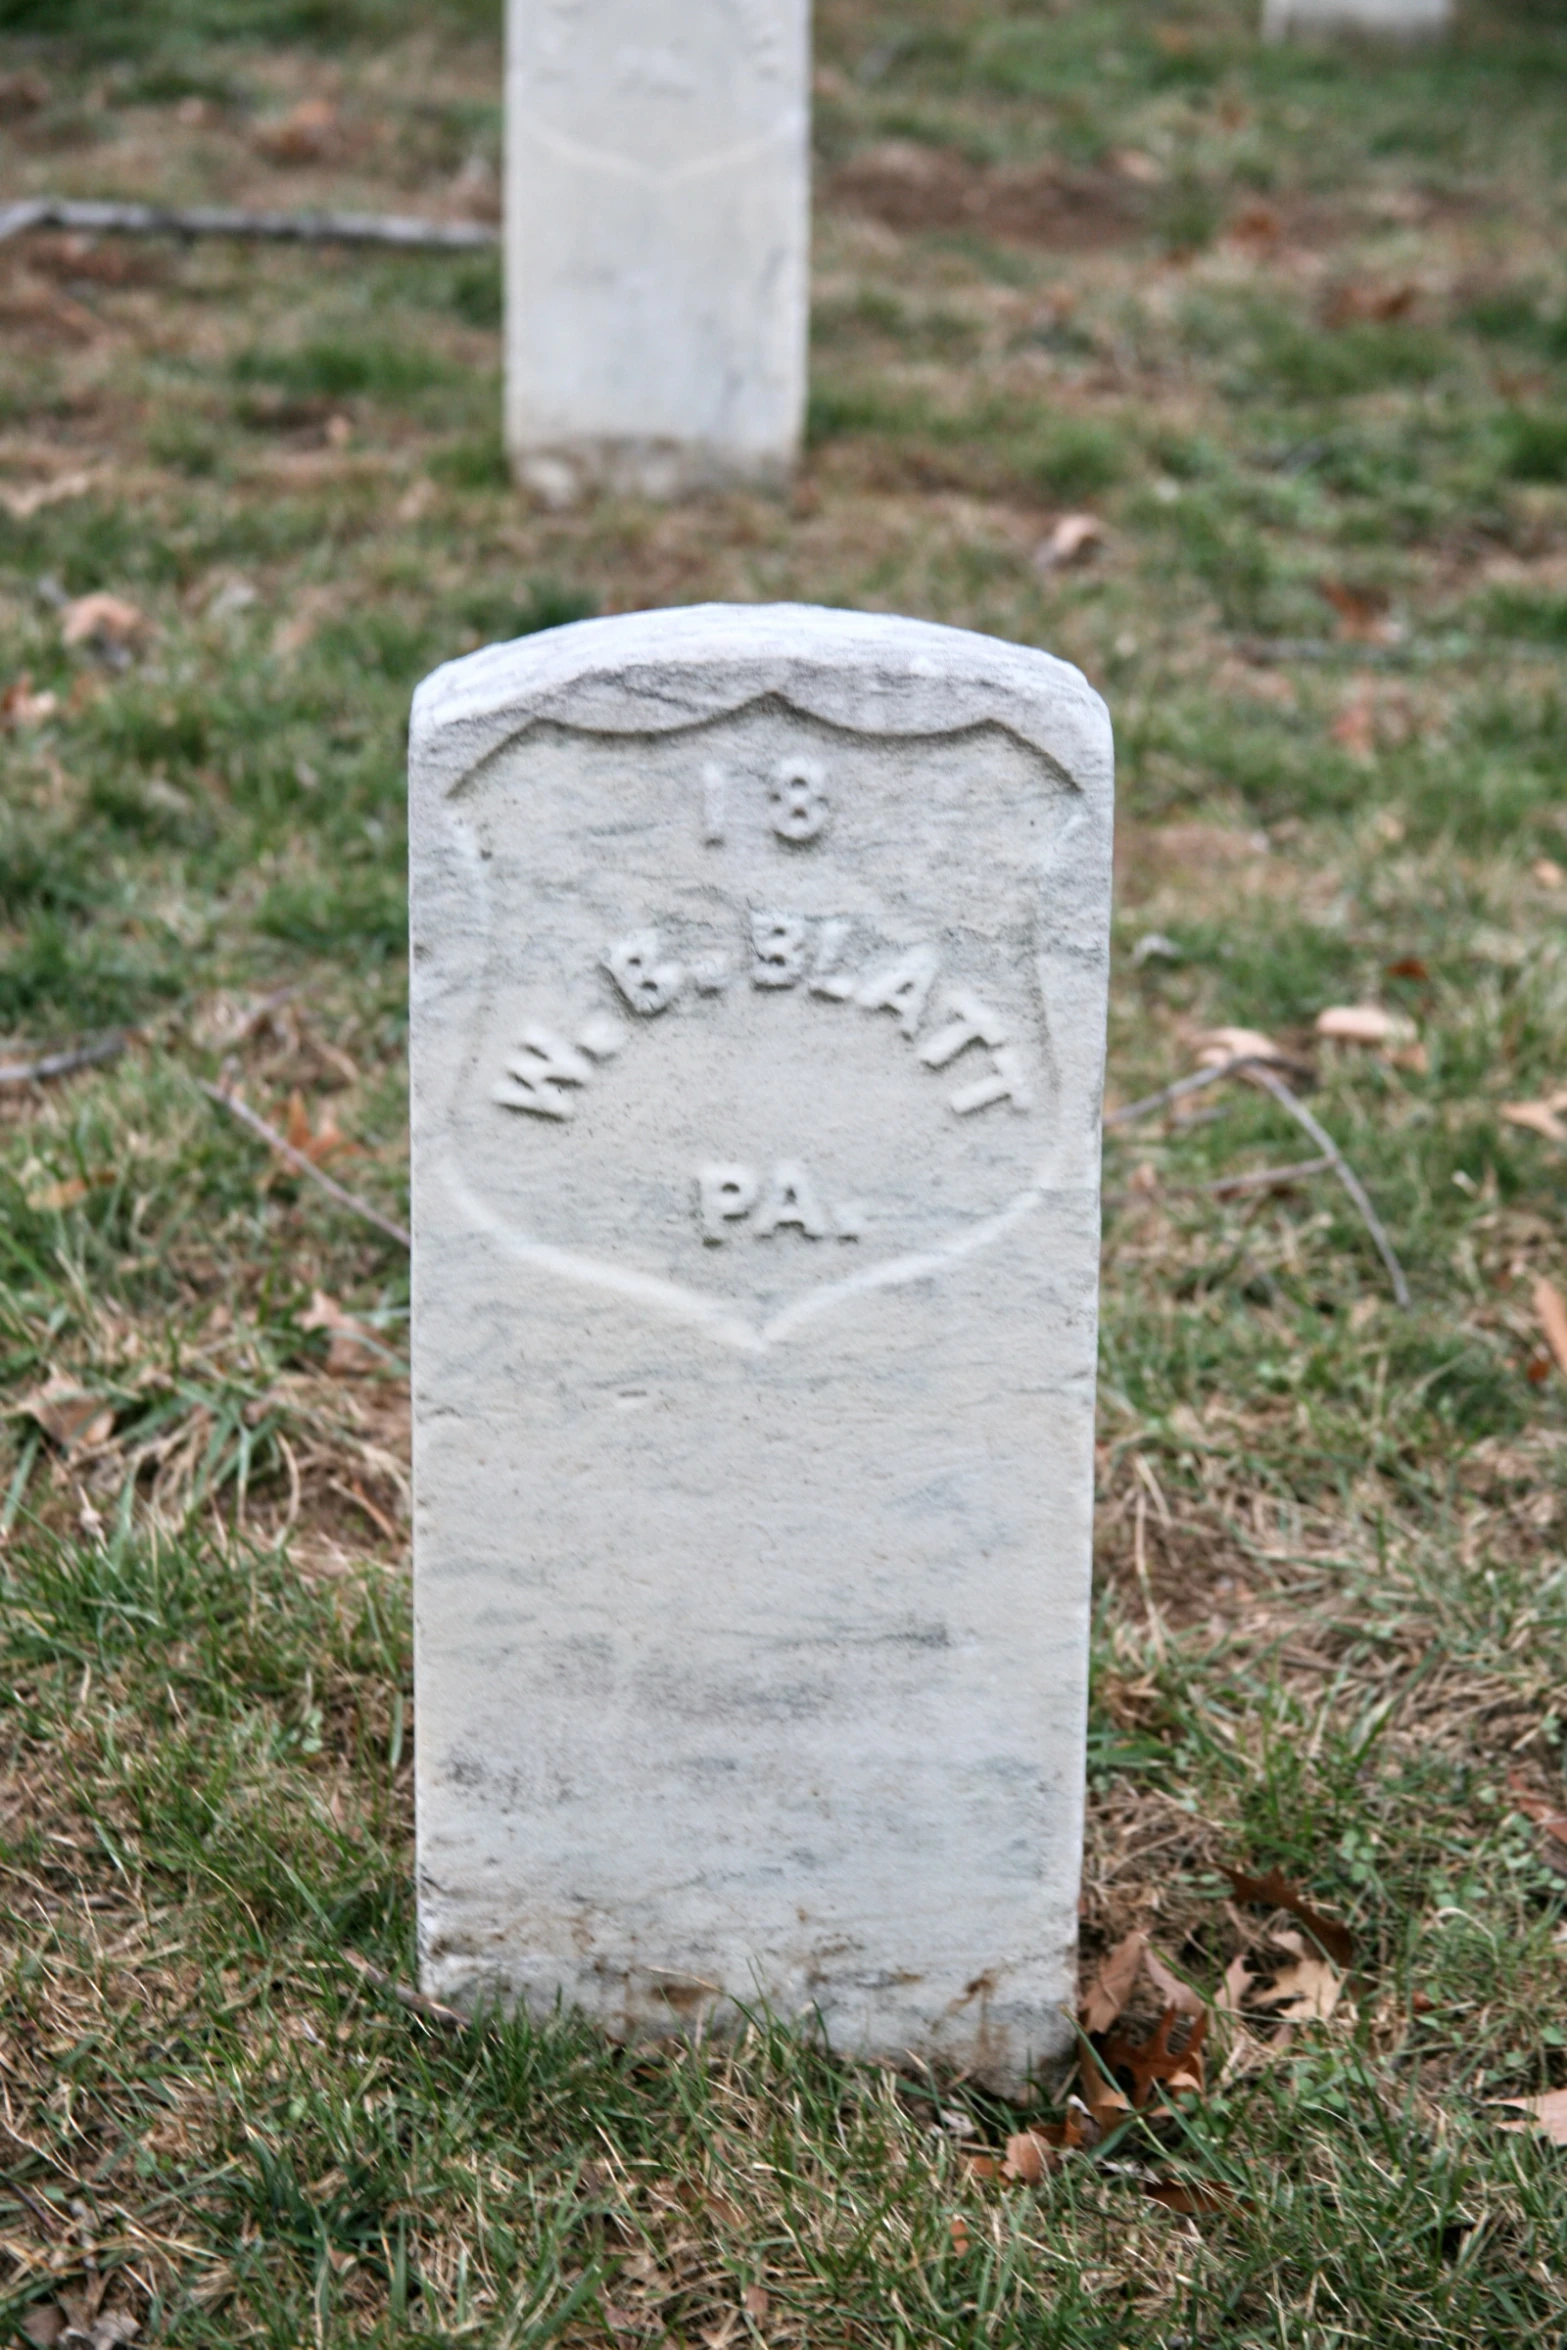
915	188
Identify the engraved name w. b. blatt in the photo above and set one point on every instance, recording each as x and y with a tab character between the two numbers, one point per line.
971	1048
783	951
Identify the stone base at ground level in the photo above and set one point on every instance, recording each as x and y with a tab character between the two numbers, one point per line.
563	473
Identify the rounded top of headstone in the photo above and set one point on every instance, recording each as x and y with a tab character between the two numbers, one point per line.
652	672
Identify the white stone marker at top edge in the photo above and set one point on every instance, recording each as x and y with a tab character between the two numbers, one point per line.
657	234
758	1029
1395	20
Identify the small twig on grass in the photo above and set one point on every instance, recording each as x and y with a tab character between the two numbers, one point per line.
1260	1074
304	1166
223	220
378	1518
81	1056
416	2002
40	2211
1182	1086
1263	650
256	1014
1176	1092
1264	1178
1252	1179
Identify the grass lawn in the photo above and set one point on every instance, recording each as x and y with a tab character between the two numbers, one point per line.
1291	326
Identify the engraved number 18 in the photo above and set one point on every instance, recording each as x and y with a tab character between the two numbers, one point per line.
797	807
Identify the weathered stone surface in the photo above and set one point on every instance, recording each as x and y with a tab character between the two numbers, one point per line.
657	237
759	976
1388	19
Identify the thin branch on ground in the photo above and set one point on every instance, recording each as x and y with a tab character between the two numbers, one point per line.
303	1164
416	2002
1263	1073
1178	1091
1254	1179
81	1056
50	2220
1262	1178
1263	650
225	220
1260	1074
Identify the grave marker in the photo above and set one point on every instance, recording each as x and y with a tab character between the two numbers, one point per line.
1386	19
758	1027
657	238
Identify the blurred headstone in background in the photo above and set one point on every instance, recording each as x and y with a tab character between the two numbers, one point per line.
1396	20
657	236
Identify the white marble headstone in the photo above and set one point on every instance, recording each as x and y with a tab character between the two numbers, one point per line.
657	238
758	1029
1385	19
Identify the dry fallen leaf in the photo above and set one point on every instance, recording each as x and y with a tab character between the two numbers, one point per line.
1351	304
1355	727
1153	2063
1039	2148
57	1196
1027	2158
67	1415
1117	1977
1274	1891
1105	2102
316	1144
1257	224
1551	1823
1170	1987
1237	1977
1362	613
1133	164
754	2302
22	93
476	188
1364	1024
1297	1988
298	1132
1236	1044
112	2328
308	133
1073	537
351	1348
1538	1808
22	504
1551	1314
1542	1117
1193	2202
1112	1986
76	2321
20	706
1547	2113
102	619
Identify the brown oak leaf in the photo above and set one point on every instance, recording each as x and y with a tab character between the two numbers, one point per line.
1274	1891
1153	2063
